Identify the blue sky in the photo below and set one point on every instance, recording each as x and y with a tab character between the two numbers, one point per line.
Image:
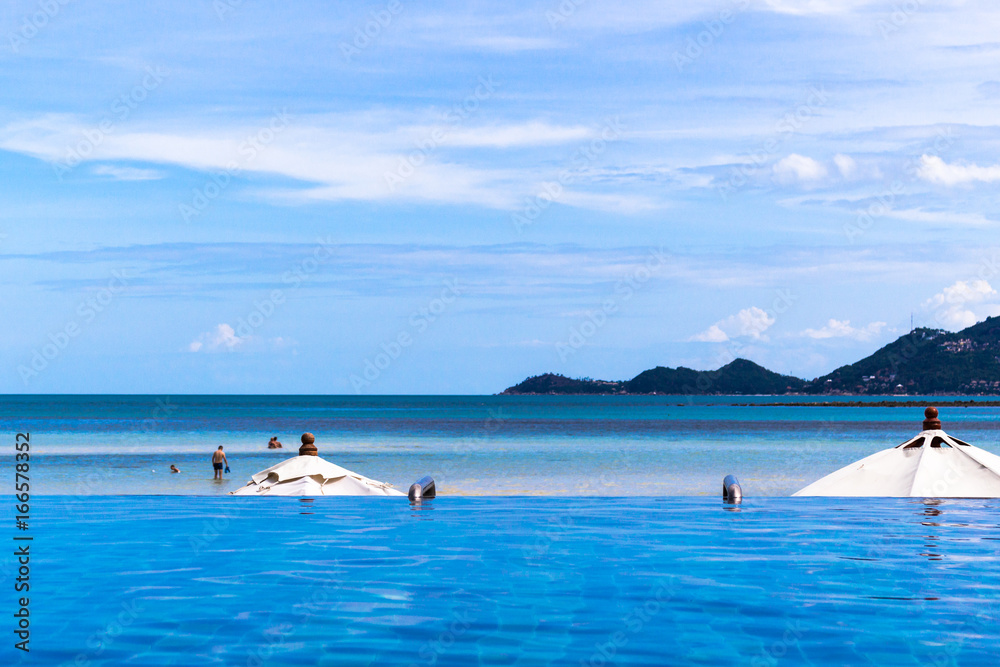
395	197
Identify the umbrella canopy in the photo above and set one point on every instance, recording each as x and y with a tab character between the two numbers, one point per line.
309	475
930	465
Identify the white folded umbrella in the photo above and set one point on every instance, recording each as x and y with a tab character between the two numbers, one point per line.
930	465
309	475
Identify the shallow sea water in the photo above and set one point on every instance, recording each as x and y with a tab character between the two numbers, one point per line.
471	445
146	580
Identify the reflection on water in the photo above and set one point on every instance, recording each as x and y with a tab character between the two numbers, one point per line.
421	508
932	541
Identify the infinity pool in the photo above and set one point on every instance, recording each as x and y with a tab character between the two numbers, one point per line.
146	580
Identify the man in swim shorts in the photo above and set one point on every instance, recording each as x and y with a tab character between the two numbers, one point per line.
218	458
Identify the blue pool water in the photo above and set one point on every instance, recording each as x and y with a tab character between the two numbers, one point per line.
145	580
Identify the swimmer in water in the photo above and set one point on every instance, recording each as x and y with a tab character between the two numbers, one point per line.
218	458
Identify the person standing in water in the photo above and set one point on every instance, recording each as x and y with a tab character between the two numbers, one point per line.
218	458
274	444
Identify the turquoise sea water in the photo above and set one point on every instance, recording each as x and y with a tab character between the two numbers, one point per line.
142	580
472	445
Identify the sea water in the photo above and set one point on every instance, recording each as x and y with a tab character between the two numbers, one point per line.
141	580
471	445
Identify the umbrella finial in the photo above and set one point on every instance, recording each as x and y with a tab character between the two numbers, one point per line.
308	447
931	423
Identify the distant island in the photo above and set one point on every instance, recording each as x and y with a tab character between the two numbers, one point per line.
924	361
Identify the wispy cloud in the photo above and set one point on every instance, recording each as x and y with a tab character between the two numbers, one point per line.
808	7
935	170
950	218
331	161
511	43
127	173
513	136
843	329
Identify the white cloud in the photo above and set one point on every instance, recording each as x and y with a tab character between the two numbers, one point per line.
845	164
221	339
843	329
934	169
798	169
713	334
508	136
127	173
510	43
613	203
333	157
940	217
750	322
962	304
805	7
282	342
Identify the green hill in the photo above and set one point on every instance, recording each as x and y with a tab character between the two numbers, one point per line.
739	377
553	383
924	361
